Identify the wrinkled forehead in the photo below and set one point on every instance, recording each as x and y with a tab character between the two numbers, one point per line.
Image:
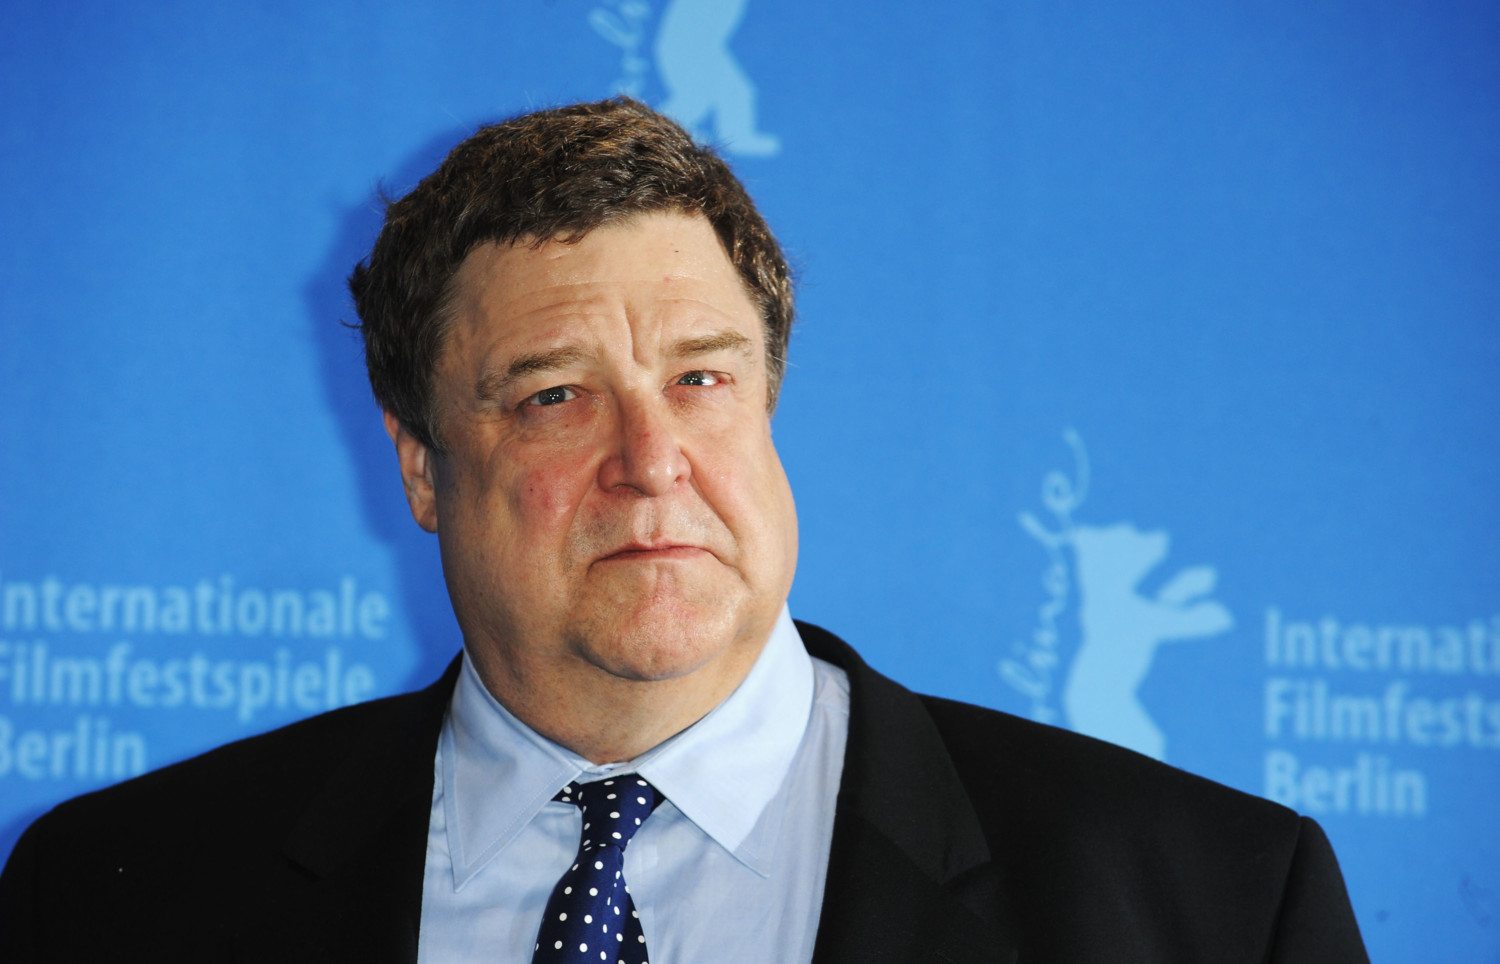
662	274
665	245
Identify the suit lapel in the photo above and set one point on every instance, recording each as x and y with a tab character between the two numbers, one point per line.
358	851
909	872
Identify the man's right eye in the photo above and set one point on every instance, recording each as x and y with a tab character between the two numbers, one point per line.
552	396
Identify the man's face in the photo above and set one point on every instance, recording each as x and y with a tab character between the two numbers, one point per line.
608	501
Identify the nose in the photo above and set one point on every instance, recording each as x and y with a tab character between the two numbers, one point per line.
646	452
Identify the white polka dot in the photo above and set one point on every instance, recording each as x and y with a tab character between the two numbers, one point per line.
617	912
610	797
563	916
603	956
593	891
637	821
598	865
609	783
619	936
557	946
641	782
588	918
567	890
615	815
616	835
641	800
641	938
582	948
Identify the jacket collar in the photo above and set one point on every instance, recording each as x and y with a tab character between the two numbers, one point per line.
354	891
386	771
910	876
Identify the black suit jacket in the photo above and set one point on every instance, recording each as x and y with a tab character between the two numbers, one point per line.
961	834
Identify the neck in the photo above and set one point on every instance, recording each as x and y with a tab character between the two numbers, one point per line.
602	717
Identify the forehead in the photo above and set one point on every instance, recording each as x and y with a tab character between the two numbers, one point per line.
652	269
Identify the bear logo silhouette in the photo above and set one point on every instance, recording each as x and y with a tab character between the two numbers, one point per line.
707	91
1120	628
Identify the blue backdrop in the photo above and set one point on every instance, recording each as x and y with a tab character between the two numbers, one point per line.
1145	377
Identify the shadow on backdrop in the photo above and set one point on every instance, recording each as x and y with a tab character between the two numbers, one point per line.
330	310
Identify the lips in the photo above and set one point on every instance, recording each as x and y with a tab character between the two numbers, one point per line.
662	551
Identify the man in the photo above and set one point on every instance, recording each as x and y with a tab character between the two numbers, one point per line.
577	328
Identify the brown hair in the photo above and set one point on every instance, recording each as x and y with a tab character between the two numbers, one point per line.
556	173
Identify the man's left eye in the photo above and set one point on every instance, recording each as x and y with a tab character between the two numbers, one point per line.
552	396
702	379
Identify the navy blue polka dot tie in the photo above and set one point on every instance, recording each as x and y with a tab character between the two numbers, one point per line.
590	916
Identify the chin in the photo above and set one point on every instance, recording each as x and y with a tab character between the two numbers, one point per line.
658	638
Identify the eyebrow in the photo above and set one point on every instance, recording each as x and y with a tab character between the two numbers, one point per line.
726	340
493	384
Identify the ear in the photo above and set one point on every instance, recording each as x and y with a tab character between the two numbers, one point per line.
417	464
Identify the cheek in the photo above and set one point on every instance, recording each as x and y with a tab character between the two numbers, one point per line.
546	494
746	483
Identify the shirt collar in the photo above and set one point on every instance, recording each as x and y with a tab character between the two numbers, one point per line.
721	772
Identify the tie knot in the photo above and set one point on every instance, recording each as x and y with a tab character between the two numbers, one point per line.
613	809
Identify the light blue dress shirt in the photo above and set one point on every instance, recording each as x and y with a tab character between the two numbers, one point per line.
729	868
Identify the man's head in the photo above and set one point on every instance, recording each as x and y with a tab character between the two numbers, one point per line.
557	173
603	317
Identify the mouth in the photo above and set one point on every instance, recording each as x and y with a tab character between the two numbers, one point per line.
659	552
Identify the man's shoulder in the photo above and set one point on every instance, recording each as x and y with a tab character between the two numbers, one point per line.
271	776
1151	860
197	856
1017	766
1066	813
1048	799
